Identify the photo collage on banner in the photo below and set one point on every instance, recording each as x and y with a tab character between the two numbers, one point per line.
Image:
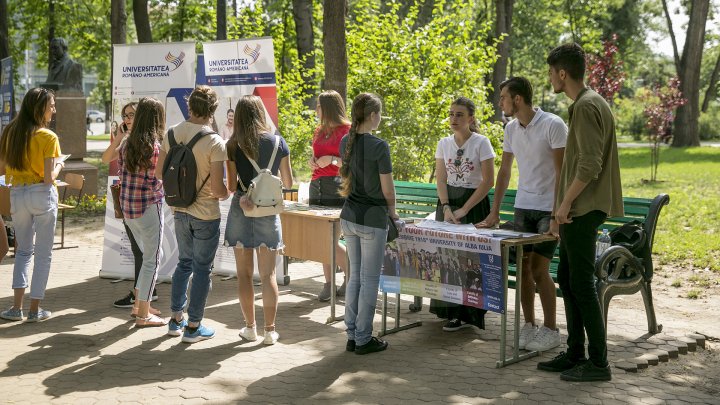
462	268
234	69
165	71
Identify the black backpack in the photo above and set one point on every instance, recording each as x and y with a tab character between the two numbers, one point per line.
633	237
180	171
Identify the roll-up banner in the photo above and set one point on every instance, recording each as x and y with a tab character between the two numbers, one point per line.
7	93
165	71
234	69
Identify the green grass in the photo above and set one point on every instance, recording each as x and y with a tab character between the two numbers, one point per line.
688	228
103	137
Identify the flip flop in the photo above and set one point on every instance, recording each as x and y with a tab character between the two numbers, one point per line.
150	321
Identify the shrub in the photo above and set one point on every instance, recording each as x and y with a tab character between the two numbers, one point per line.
630	118
89	205
710	124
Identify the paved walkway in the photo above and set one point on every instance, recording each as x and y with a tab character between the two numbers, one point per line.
90	353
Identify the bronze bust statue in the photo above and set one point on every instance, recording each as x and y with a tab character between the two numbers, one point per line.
63	72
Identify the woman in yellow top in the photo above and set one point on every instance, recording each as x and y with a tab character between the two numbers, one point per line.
30	160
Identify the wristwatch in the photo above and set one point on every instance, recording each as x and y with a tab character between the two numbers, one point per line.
334	160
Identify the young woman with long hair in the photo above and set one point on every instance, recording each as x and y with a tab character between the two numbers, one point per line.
110	156
464	165
251	138
369	191
29	154
325	163
141	197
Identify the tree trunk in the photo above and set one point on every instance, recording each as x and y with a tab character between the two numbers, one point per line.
687	117
4	41
302	13
234	5
51	24
710	92
118	35
336	64
142	21
181	23
676	55
118	22
424	13
221	20
503	26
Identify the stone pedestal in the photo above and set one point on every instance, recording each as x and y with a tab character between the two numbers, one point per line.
70	125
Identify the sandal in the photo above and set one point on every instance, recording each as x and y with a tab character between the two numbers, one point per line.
150	321
151	311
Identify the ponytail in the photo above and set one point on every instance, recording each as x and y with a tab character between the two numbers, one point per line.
363	105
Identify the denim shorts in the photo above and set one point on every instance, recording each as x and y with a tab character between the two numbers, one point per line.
535	221
250	232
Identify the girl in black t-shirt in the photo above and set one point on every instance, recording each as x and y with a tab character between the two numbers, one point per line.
367	185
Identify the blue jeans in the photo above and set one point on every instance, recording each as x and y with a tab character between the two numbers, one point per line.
365	251
34	213
197	241
148	233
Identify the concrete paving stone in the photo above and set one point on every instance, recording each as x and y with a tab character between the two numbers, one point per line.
681	346
651	400
677	402
673	351
652	359
662	355
691	343
700	339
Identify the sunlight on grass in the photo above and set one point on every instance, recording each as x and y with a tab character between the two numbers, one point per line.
688	227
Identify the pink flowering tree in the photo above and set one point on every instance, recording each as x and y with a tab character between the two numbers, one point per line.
605	73
660	113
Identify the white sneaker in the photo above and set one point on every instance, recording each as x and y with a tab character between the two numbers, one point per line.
545	339
527	333
249	334
271	337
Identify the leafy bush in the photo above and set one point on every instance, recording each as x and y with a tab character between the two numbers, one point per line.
89	205
710	124
418	72
629	116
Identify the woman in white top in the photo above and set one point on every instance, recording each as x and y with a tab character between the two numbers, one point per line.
465	166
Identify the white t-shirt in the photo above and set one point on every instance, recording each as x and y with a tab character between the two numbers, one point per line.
533	149
209	149
463	168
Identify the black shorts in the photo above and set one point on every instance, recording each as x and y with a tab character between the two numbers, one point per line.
537	222
325	191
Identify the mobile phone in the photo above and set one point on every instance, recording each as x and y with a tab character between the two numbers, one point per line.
124	127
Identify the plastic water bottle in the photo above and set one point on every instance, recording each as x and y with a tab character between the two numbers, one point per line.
603	243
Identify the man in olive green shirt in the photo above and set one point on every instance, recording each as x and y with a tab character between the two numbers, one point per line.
589	191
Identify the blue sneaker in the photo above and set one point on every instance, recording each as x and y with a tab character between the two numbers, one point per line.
176	328
202	332
12	314
38	316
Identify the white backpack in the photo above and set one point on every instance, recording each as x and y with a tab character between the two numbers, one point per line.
266	190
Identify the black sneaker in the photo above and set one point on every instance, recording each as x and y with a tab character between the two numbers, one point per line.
125	302
374	345
587	371
559	363
350	346
455	325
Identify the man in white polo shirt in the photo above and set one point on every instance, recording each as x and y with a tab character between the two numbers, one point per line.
537	139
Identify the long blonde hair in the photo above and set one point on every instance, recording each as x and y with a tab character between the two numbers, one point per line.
363	105
249	123
333	112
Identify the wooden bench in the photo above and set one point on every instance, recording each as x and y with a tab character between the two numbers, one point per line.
617	271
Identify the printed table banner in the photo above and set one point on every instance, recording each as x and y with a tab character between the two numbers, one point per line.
445	262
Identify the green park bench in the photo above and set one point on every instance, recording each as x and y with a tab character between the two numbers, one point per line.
618	272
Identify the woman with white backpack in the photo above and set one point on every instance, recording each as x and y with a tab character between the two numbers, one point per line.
251	145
